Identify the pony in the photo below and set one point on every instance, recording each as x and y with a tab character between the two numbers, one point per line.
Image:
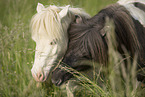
49	30
88	40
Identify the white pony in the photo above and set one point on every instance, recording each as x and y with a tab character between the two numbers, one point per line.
49	30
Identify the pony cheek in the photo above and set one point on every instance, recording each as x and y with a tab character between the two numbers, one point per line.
53	51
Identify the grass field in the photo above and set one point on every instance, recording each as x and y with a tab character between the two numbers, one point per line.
17	54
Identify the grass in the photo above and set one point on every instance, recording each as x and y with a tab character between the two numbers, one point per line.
17	54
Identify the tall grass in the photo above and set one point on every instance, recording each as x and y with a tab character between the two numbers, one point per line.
17	51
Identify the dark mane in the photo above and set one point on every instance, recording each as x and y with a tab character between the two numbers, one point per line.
88	41
87	34
87	37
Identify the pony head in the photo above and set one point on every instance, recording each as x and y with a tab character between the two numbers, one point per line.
49	30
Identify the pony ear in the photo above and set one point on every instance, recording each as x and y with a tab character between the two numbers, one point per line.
109	27
64	12
105	30
40	7
78	19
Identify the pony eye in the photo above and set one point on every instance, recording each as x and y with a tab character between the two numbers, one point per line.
53	43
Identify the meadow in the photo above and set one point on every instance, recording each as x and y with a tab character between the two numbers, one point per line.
17	55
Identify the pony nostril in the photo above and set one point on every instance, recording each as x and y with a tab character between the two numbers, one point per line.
40	76
59	82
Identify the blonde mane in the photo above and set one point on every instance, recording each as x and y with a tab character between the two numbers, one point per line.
47	24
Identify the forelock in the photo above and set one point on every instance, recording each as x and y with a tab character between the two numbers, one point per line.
46	24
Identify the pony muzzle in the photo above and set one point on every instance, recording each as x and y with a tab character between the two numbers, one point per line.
39	77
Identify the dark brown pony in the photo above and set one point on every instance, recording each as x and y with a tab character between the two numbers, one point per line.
88	41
